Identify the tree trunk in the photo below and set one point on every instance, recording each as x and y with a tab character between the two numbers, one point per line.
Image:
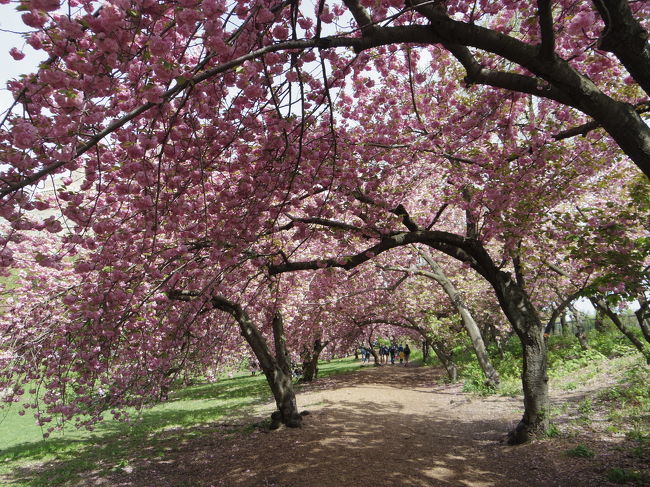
643	317
285	399
437	273
425	349
580	333
564	324
310	362
602	305
535	385
446	359
375	356
281	385
599	322
524	319
276	369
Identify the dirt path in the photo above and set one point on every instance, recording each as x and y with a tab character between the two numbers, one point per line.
388	426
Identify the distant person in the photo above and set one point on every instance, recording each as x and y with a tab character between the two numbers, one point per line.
400	353
365	354
255	367
407	353
391	351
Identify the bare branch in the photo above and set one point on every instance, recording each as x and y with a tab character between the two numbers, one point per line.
555	268
325	223
400	211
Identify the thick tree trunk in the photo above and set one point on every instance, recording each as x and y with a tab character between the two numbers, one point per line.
535	385
530	330
437	273
281	385
285	399
371	349
375	355
276	369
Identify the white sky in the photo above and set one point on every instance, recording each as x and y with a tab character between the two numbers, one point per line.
9	68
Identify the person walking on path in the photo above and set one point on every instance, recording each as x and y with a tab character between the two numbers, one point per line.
400	353
407	353
391	351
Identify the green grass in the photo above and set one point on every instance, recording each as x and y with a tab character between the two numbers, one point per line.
623	475
568	364
628	403
625	405
189	412
580	451
337	366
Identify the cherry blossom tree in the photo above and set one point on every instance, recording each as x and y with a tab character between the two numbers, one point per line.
198	149
606	253
437	273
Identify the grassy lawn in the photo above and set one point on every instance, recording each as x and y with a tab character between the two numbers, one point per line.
65	456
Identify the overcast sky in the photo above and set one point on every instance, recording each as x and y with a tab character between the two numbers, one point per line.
10	28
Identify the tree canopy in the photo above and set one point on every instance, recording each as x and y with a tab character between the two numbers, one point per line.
203	153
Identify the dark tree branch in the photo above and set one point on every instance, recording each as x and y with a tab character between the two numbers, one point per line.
545	15
560	309
437	216
361	16
323	222
419	35
585	128
400	211
466	250
626	39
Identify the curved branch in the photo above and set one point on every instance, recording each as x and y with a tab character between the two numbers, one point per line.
463	249
626	38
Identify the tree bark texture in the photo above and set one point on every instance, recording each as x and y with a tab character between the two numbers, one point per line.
446	358
310	361
530	330
276	369
643	317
